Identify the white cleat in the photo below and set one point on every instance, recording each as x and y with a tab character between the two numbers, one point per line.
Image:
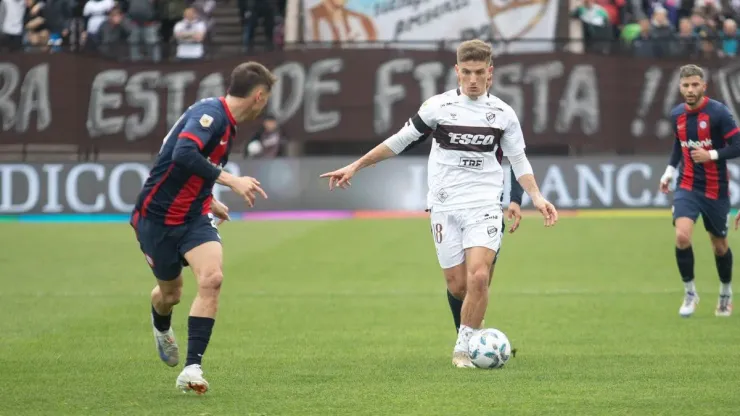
724	306
191	379
688	307
461	359
167	347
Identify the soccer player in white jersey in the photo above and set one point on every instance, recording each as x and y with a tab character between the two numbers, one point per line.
472	130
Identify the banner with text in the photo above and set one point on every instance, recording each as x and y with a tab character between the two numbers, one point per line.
294	184
592	104
354	23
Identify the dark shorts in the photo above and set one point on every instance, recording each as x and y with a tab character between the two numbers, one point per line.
164	246
714	213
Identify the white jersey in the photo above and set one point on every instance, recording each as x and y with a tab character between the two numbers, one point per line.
471	136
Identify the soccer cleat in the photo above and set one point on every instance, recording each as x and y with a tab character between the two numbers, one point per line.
191	379
167	347
689	304
724	306
461	359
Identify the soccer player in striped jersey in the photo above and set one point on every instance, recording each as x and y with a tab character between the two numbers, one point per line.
471	131
176	216
706	137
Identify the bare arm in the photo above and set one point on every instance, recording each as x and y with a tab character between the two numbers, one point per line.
379	153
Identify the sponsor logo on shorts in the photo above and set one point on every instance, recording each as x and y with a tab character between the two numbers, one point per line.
492	231
471	162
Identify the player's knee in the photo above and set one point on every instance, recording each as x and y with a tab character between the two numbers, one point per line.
683	238
172	297
720	246
210	281
478	279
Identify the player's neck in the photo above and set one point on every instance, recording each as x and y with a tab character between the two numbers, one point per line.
697	104
233	103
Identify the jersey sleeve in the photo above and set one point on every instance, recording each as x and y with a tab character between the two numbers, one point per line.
417	129
202	126
675	157
512	141
728	125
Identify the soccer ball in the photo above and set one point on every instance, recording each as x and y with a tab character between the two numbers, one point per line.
489	348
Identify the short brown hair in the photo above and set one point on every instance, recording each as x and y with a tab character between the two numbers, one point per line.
474	50
691	71
248	76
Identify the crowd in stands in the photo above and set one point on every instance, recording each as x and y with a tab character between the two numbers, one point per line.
130	29
660	29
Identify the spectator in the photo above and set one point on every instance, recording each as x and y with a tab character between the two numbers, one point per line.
707	40
251	16
662	34
596	27
172	12
113	34
57	15
11	24
144	27
267	142
96	13
190	33
37	34
642	45
729	39
205	11
686	39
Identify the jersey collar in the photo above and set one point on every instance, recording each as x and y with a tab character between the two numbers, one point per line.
228	111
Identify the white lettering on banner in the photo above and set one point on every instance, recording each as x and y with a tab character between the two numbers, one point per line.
353	22
71	188
52	188
587	181
32	188
140	92
32	99
306	87
114	184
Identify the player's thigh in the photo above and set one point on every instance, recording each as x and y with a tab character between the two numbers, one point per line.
201	248
685	205
160	247
447	236
482	239
715	215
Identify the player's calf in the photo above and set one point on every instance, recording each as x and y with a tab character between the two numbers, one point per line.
164	297
455	278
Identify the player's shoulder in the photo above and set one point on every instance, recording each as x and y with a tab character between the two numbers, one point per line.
498	105
438	101
678	110
717	106
208	111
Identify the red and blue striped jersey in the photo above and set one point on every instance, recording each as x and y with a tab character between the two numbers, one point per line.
710	126
175	191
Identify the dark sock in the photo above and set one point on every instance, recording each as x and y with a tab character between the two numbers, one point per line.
161	322
456	308
685	260
724	266
199	333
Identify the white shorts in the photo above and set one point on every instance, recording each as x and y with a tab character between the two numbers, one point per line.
455	231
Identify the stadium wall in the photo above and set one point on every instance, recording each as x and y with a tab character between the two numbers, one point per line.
108	190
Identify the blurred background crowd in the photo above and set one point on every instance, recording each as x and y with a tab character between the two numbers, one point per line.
141	29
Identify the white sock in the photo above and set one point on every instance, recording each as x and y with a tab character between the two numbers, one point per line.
690	287
463	338
725	289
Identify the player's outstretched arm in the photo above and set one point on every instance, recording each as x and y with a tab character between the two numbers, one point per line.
340	177
417	129
247	187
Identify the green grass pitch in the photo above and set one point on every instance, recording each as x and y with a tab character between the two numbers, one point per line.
351	318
